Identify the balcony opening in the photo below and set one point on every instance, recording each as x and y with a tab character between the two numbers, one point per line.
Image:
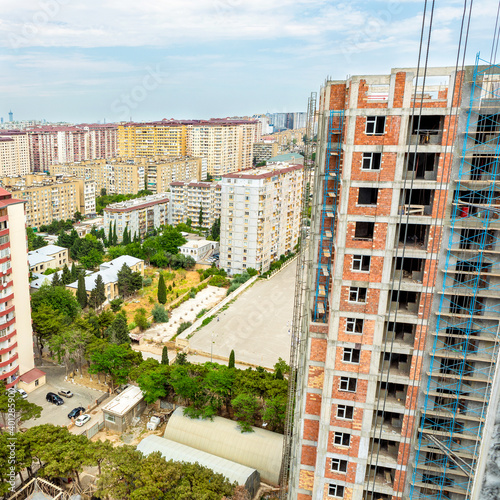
475	239
409	268
482	166
383	476
389	418
468	272
396	361
488	127
442	424
475	203
428	128
405	301
364	230
413	235
392	391
367	196
385	447
417	201
401	331
460	304
422	165
456	367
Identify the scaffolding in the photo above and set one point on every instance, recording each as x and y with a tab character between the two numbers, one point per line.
329	192
465	345
299	321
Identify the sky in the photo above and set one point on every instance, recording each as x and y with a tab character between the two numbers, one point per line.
114	60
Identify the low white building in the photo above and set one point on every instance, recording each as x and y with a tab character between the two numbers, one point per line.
120	411
48	257
140	216
199	249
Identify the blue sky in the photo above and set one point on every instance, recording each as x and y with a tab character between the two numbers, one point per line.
84	61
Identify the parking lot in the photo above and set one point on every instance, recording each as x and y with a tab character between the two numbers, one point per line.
58	415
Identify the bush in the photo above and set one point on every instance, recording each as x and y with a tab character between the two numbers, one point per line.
183	326
116	304
147	281
49	271
192	294
201	313
206	321
219	281
131	326
252	272
160	315
140	319
232	288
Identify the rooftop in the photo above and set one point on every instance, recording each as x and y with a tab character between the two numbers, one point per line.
264	172
138	203
288	157
125	401
43	254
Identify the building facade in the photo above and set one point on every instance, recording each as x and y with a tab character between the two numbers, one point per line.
263	151
14	153
187	199
259	216
16	335
48	257
51	198
399	343
139	216
161	173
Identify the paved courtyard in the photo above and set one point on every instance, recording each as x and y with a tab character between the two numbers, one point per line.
257	325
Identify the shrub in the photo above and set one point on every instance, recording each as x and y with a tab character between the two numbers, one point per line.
116	304
192	294
49	271
201	313
147	281
160	315
232	288
131	326
206	321
252	272
219	281
140	319
183	326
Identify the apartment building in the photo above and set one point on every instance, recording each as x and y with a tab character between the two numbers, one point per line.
14	153
225	144
16	335
53	197
162	172
115	176
397	351
260	212
263	151
139	216
188	198
50	144
48	257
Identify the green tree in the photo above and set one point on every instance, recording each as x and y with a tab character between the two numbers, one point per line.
126	237
128	281
274	413
162	290
34	241
246	408
98	294
74	273
118	330
59	298
215	230
231	359
282	366
23	409
46	322
77	216
160	314
66	276
140	319
116	304
56	281
155	383
81	292
115	236
200	217
164	356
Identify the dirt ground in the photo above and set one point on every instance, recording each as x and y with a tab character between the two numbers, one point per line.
148	296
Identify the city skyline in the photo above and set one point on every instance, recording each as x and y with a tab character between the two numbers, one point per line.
208	58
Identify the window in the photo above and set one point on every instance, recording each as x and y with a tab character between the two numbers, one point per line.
364	230
345	412
360	262
367	196
348	384
375	125
109	418
351	355
338	465
354	325
357	294
335	490
371	161
341	438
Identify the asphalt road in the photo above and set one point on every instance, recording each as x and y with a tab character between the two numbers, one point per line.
58	415
257	325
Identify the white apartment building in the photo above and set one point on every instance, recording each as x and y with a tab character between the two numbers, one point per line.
139	216
14	153
260	216
16	334
187	198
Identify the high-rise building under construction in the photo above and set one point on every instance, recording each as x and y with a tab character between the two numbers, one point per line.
398	300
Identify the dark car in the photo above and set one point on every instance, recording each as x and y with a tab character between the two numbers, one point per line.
75	412
54	399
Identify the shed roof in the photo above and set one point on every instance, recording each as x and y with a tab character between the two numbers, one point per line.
261	449
178	452
125	401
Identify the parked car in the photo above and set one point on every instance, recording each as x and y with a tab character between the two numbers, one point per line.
82	420
65	393
54	398
22	393
76	411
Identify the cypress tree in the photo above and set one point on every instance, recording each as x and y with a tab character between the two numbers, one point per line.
231	359
162	290
110	234
74	272
115	237
66	277
55	280
136	238
126	237
278	374
164	356
81	293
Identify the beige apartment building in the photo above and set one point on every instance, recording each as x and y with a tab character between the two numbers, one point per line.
259	216
161	173
51	198
14	153
187	198
265	150
16	334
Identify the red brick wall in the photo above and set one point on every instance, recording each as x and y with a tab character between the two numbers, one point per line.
386	172
390	137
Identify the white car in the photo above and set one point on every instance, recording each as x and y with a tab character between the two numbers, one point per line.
82	420
22	393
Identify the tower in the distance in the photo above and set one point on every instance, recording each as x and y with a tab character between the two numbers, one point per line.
11	116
